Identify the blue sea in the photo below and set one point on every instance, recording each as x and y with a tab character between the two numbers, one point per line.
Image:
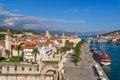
113	70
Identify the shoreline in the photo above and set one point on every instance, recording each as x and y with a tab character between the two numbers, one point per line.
99	66
85	69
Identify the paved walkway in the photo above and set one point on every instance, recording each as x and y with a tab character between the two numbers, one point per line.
84	71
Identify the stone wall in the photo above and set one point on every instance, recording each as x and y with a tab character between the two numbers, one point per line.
25	77
20	69
13	71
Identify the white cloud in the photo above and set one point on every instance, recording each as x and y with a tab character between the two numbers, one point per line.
30	22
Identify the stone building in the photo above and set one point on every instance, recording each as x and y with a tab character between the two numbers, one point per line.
8	41
47	35
26	71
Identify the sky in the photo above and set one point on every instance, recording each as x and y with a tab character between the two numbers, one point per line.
67	15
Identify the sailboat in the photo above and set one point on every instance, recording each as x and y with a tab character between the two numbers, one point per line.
100	56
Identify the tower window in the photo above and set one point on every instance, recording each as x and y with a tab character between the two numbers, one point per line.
15	68
8	68
23	68
30	69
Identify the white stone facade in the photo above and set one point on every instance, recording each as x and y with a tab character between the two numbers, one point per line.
45	53
28	55
15	53
15	71
8	41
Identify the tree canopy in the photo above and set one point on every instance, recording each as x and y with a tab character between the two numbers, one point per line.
77	51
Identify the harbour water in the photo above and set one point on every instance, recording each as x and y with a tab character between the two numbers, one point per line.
113	70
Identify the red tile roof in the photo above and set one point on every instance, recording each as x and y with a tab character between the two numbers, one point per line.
30	45
48	42
25	46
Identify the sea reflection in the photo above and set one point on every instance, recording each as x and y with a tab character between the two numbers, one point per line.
107	69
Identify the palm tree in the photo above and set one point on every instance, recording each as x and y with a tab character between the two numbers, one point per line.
7	53
58	50
64	49
35	51
71	45
18	48
67	43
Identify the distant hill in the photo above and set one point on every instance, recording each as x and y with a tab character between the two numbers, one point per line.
16	30
20	30
112	32
72	33
55	32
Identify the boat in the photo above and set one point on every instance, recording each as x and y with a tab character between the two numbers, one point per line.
100	56
89	40
103	40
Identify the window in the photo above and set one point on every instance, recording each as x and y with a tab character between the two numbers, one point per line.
30	69
8	68
23	69
15	68
37	68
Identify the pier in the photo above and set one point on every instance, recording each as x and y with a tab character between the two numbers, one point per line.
85	70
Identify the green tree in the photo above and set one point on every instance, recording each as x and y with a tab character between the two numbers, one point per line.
7	53
18	48
35	51
58	50
76	58
71	45
63	49
77	52
2	37
67	43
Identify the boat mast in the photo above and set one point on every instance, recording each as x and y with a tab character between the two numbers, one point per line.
102	45
94	46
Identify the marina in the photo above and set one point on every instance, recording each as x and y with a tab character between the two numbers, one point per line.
112	71
86	69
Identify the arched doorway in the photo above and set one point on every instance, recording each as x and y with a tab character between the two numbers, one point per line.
50	75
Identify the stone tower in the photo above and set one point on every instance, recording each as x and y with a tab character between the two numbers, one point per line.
47	34
8	40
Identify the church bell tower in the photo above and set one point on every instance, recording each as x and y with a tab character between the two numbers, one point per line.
8	40
47	34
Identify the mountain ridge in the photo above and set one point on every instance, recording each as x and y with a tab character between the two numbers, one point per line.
58	32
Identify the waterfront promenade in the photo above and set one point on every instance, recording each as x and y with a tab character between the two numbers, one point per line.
84	70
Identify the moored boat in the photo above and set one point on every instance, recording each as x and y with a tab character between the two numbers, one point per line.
102	57
99	55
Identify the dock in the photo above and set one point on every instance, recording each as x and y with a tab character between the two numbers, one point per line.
84	70
103	74
100	71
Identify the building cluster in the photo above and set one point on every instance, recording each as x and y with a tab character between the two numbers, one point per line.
112	37
46	45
